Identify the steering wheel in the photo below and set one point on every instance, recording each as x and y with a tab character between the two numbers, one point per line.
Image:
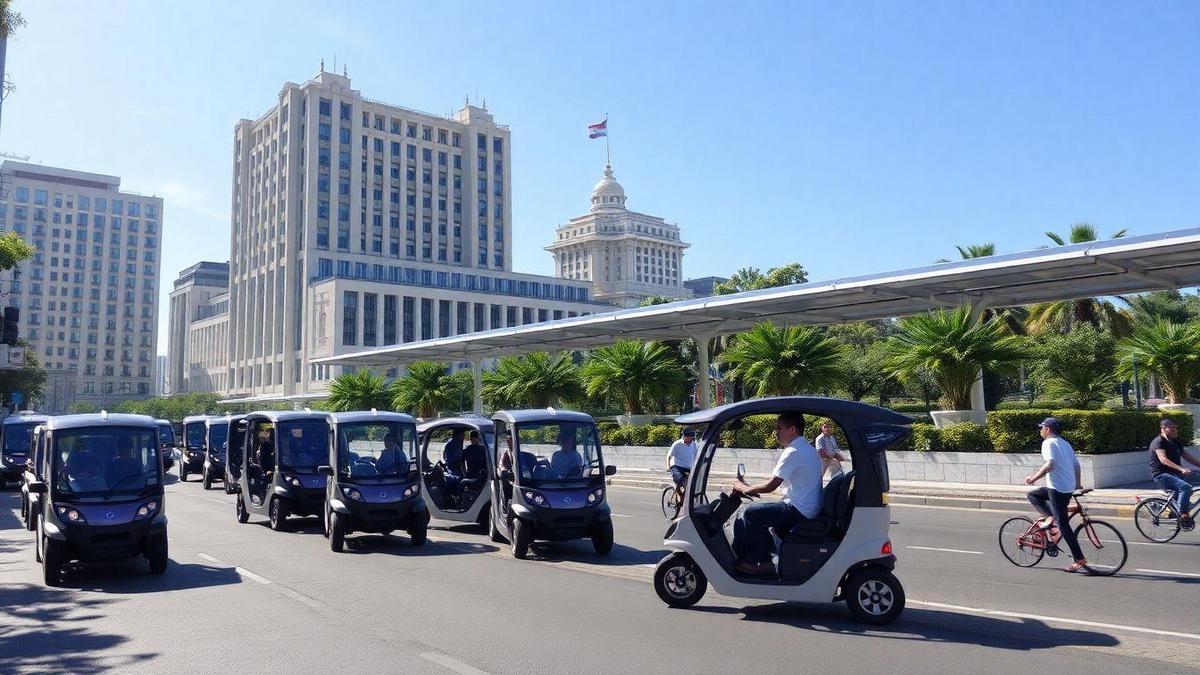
576	470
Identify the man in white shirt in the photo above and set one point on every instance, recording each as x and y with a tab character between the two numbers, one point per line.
799	472
1062	473
681	458
827	447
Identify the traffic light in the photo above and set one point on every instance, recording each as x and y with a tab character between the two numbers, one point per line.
12	317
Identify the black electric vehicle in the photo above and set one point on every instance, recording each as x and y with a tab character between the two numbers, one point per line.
166	438
373	482
233	453
456	468
30	467
282	453
549	480
16	435
102	493
191	455
216	438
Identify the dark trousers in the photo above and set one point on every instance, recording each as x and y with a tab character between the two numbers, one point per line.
752	540
1054	503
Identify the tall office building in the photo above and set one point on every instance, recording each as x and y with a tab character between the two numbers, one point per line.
89	296
160	375
357	223
626	255
194	289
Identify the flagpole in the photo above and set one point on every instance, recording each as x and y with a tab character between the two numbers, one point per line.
607	154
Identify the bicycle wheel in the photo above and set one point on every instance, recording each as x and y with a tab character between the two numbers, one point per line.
1103	546
1156	519
1021	550
670	505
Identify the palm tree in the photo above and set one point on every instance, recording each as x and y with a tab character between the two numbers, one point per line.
1081	233
360	390
430	387
536	380
954	347
1169	350
633	372
977	250
772	360
1062	315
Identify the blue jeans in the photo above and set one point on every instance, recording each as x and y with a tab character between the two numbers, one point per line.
1181	488
752	540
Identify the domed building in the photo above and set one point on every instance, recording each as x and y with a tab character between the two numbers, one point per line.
628	256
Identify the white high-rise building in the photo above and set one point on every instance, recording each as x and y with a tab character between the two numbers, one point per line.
89	296
190	360
626	255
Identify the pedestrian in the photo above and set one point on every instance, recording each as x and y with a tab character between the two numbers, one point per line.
827	447
1062	473
1167	456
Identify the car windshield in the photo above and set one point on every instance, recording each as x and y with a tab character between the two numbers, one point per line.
377	449
105	461
303	445
236	435
17	438
193	433
217	434
166	435
558	452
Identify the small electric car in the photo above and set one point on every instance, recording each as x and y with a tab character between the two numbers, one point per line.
29	465
282	453
842	554
102	493
373	483
456	468
216	437
549	480
233	453
166	438
17	436
191	456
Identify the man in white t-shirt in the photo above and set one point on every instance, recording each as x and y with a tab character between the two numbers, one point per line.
827	447
1062	473
799	472
681	458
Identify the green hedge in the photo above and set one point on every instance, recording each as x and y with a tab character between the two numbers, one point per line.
1089	431
964	437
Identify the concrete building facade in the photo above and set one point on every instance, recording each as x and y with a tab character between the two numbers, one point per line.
193	290
89	296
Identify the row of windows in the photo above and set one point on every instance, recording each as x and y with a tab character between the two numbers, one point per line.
395	126
89	387
82	220
85	203
410	276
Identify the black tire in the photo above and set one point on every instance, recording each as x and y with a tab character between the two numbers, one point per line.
52	554
522	537
207	481
240	509
1011	544
485	518
1156	519
493	531
1104	548
182	473
669	511
679	581
602	537
419	533
157	553
37	543
337	532
874	595
277	513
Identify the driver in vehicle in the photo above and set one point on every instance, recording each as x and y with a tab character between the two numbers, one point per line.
475	458
799	472
392	459
123	465
566	461
82	462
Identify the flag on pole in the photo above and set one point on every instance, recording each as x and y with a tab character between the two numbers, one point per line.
599	129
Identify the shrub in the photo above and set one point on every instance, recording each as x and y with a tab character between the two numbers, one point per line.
1022	404
965	437
1089	431
639	434
662	435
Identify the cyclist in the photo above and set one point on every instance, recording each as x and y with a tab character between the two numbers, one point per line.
827	447
1062	473
1167	456
680	460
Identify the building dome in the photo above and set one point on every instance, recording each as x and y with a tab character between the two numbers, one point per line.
608	193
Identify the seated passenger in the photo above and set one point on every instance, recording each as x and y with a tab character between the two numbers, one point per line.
474	459
124	466
82	462
452	453
566	462
391	460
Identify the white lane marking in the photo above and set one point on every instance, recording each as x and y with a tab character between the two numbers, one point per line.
943	550
302	598
209	558
1054	619
251	575
1170	573
620	515
451	663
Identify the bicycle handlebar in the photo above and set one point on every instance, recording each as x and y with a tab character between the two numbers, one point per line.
1084	491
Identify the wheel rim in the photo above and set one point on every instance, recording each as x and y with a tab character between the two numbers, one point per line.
680	581
1156	520
875	597
1103	546
1021	550
275	512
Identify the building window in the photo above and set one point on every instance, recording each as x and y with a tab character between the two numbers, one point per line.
426	318
350	318
389	319
370	301
409	320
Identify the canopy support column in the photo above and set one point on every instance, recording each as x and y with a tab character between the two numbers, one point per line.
477	384
978	400
703	393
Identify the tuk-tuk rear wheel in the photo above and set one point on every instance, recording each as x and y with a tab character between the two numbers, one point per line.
242	514
277	513
522	537
874	595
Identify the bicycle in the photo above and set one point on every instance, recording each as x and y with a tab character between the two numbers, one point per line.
1158	519
1025	544
671	502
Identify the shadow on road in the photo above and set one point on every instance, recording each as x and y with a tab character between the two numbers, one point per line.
399	545
131	577
926	625
42	632
10	509
581	551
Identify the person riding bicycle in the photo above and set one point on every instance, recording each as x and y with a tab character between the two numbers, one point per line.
1062	472
1167	456
680	460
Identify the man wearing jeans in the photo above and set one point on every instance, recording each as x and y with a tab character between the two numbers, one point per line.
1167	455
1062	473
799	472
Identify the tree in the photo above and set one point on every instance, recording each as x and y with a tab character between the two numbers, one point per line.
752	279
633	372
175	407
29	380
1081	233
360	390
1079	367
864	371
973	251
1170	306
536	380
779	361
9	21
83	408
954	348
1063	315
13	249
651	300
1170	351
428	388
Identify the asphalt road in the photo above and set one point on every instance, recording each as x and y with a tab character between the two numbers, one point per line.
243	597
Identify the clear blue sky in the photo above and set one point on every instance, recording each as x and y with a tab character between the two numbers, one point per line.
851	138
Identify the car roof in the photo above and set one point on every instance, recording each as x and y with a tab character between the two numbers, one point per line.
99	420
197	418
26	417
484	424
541	415
162	422
290	415
370	416
836	408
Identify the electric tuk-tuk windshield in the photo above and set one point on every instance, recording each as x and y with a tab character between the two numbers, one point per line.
193	435
217	435
18	437
558	453
376	451
303	445
166	435
105	462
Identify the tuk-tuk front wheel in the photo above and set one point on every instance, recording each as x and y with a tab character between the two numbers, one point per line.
602	537
337	531
874	595
242	514
679	581
493	531
277	513
157	553
419	533
522	537
52	554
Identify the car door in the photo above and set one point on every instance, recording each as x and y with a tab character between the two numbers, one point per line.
500	495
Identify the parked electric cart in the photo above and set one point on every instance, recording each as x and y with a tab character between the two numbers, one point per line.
456	468
280	461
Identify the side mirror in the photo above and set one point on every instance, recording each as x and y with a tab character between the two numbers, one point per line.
610	470
37	487
325	470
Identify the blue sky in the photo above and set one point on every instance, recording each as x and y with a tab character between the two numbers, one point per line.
853	137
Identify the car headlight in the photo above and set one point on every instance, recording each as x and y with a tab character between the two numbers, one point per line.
293	481
409	491
69	514
595	496
146	510
352	493
535	498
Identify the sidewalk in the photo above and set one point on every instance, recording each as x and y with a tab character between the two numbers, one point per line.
1110	502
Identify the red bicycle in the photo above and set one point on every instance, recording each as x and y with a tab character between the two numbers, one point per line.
1025	544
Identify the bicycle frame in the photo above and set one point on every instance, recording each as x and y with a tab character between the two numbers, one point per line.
1036	537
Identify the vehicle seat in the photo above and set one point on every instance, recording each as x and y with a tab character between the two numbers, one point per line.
835	513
